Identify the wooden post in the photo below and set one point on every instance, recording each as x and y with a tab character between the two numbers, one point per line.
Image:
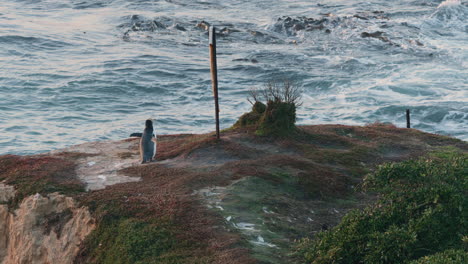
214	75
408	123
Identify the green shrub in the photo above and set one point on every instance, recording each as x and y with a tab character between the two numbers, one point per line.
422	210
450	256
253	117
278	116
278	120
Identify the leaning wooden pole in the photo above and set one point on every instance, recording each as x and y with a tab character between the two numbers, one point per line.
214	75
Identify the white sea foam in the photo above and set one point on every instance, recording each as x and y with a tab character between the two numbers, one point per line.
80	71
449	3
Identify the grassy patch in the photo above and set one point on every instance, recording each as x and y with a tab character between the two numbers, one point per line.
255	207
182	145
121	240
40	174
272	208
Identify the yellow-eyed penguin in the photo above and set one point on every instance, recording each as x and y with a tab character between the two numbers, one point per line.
148	143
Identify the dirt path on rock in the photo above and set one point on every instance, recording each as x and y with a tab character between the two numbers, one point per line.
100	167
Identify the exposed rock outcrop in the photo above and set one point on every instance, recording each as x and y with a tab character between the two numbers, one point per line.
42	229
6	193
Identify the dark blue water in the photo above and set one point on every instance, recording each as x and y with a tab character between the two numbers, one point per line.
76	71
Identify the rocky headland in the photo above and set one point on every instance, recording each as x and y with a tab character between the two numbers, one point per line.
243	199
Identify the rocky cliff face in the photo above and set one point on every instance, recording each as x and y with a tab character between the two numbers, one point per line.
43	229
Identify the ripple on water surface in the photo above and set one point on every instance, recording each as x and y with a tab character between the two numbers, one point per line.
92	70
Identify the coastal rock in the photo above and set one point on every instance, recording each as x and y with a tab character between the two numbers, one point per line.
6	193
139	23
371	15
377	35
46	229
291	26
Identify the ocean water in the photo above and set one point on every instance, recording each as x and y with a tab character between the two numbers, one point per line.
74	71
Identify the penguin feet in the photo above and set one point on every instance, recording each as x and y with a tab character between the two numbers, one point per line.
147	161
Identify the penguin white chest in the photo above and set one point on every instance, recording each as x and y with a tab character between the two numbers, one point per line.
154	146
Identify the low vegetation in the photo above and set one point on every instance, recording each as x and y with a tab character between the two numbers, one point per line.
40	174
276	115
121	239
449	256
420	216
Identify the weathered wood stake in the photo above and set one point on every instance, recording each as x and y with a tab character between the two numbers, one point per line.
408	123
214	75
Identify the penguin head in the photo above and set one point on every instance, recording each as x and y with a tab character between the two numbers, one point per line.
149	124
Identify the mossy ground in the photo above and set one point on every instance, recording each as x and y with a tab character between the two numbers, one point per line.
124	239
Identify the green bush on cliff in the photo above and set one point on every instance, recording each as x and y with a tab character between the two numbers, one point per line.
450	256
253	117
422	211
277	116
279	119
